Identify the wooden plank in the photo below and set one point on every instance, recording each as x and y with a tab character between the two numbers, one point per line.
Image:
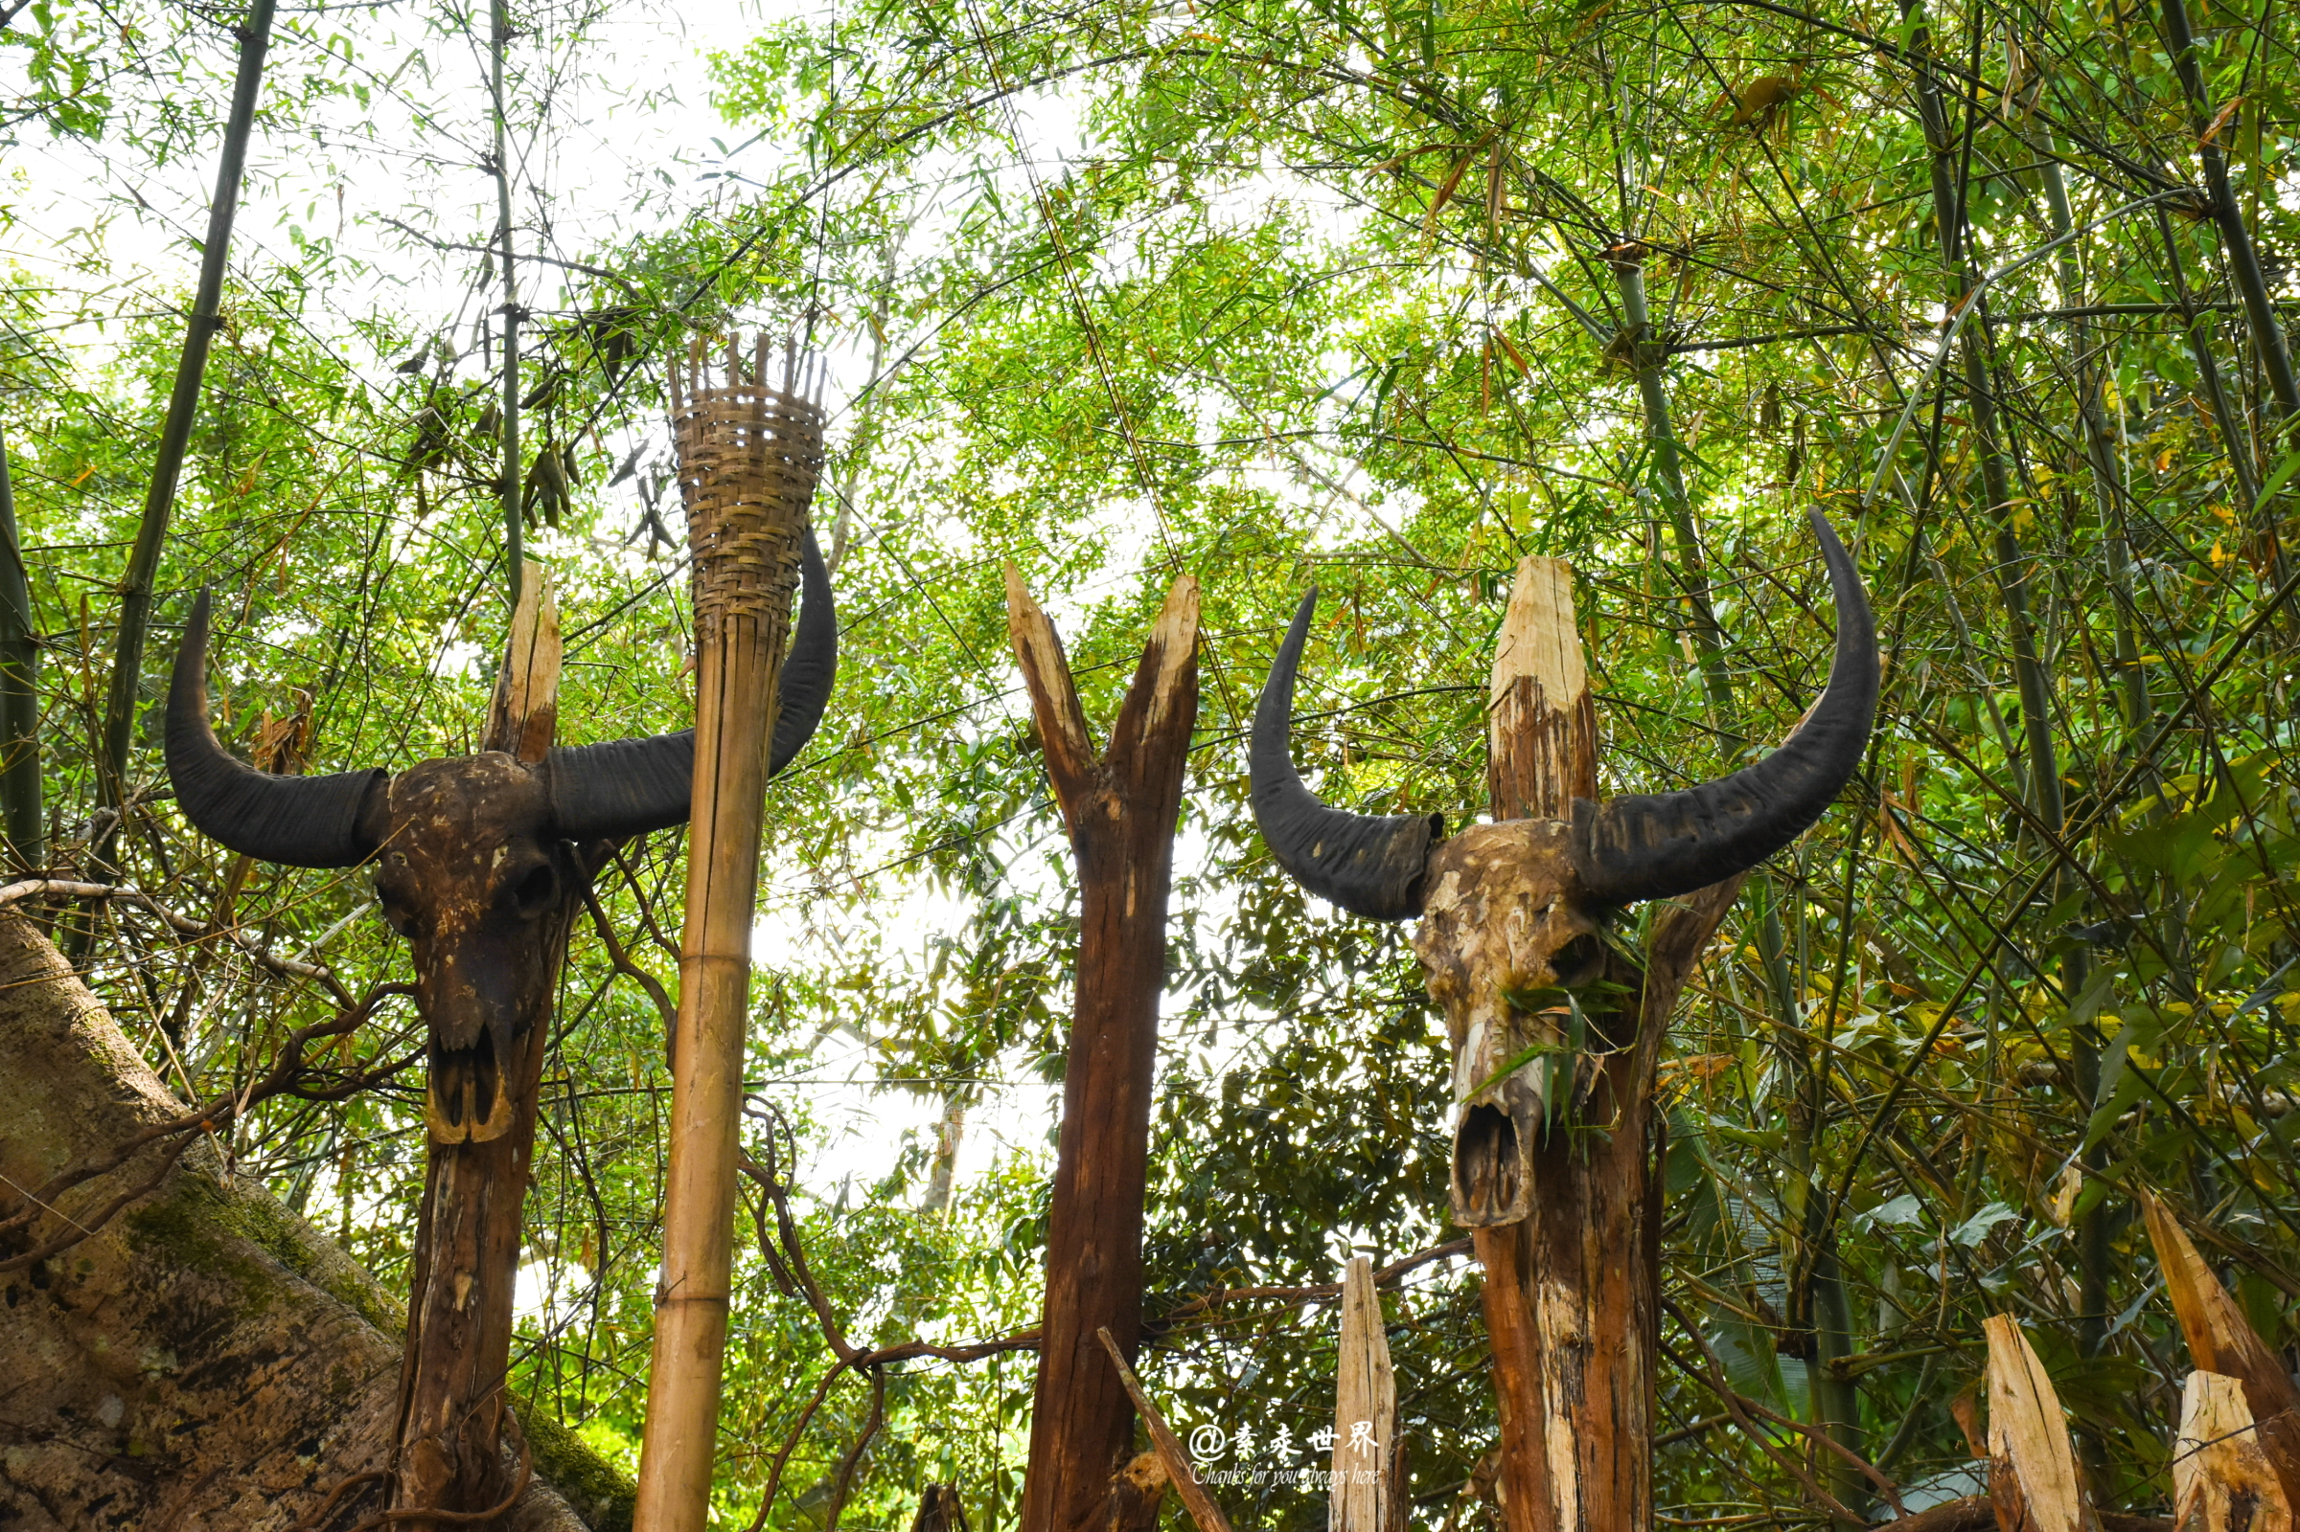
2032	1467
1121	808
1192	1494
1365	1410
2221	1478
2221	1340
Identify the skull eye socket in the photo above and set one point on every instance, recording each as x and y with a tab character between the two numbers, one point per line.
535	892
1579	961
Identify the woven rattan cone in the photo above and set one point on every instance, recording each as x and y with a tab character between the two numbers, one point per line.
749	455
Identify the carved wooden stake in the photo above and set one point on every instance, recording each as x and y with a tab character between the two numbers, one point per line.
2221	1340
2032	1468
2221	1479
1564	1217
466	1256
1365	1411
1121	809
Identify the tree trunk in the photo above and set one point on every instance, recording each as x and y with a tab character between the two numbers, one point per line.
205	1359
1571	1292
1121	810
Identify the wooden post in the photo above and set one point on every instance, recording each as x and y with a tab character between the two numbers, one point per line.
1572	1284
748	456
1365	1410
2033	1479
2221	1340
466	1259
1121	809
2221	1479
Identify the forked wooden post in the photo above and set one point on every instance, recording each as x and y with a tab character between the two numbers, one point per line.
1365	1411
460	1287
1120	808
748	456
2221	1340
2033	1478
1572	1260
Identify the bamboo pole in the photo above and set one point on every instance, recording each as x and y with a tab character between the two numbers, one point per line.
200	330
20	811
748	458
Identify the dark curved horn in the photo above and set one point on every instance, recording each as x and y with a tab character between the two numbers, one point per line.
1369	865
812	667
630	786
296	821
1666	844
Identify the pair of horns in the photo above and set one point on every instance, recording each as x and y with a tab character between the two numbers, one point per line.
1644	846
597	792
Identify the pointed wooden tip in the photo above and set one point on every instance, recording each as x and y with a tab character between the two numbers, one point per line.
2032	1466
524	717
1017	593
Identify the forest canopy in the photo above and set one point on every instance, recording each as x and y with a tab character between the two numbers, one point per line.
1376	298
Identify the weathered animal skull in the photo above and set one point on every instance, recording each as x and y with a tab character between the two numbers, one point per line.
1506	937
480	861
1512	914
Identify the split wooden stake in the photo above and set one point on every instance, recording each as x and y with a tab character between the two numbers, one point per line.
1121	808
1193	1495
2221	1479
2032	1467
2221	1340
1365	1411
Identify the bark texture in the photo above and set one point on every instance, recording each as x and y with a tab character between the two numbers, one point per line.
205	1359
1121	809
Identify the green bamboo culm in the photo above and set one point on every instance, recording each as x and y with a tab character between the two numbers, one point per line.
20	811
175	436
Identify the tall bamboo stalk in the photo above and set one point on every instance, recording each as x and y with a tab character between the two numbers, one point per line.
748	458
20	811
514	532
176	434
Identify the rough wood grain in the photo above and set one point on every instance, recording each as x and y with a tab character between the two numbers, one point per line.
2221	1340
1571	1294
1365	1410
2033	1479
1121	809
2221	1479
206	1360
523	717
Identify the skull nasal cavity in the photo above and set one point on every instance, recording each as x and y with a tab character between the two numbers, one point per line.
1485	1160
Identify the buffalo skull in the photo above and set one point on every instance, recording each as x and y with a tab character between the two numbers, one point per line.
480	860
1513	914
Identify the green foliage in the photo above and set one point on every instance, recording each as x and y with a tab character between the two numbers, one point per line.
1276	295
